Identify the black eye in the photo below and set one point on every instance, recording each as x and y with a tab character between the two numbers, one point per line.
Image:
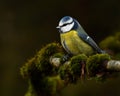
67	24
64	24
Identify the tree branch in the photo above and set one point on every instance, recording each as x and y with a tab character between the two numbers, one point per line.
48	75
113	65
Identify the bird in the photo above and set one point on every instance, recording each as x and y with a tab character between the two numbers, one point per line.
74	39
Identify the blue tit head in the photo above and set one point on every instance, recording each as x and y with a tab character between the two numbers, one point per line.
66	24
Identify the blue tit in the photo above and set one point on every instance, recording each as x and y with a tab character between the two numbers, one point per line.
74	39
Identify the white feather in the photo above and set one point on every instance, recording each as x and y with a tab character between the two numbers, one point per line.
69	21
67	28
87	37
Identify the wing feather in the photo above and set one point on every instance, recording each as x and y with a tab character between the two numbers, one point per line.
89	40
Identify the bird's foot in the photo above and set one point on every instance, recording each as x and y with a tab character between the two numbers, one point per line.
66	57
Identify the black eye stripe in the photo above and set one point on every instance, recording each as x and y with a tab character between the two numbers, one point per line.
66	24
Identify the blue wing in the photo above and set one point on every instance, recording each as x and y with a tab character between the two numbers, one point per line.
82	34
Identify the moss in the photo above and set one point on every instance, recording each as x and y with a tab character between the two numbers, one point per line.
65	72
49	86
101	78
31	91
58	55
53	85
46	80
40	61
96	65
117	56
42	58
76	65
25	70
38	69
112	43
71	72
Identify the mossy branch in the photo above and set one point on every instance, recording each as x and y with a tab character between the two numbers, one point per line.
47	75
113	65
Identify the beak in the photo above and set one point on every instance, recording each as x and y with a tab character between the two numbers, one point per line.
58	27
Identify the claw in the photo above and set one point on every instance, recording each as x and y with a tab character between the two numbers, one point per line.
66	57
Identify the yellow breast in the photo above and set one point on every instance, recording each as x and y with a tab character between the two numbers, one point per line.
75	44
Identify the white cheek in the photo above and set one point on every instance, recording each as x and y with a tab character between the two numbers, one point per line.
67	27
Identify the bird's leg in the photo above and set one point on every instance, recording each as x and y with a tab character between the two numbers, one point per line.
66	57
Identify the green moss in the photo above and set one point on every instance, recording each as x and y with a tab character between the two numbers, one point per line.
76	65
42	58
38	69
40	61
31	91
46	79
111	43
58	55
53	85
117	35
117	56
101	78
50	86
27	68
65	72
71	72
96	64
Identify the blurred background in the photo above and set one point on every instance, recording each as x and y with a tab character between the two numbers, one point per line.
27	25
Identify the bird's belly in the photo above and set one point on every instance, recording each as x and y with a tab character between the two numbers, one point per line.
76	45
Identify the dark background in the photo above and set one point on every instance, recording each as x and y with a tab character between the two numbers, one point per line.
27	25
